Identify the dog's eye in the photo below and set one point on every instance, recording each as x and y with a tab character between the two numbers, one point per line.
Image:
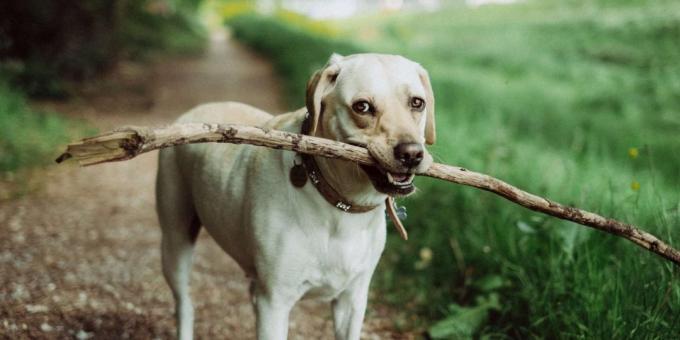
362	107
417	103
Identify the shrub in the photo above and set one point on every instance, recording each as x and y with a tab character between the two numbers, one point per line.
27	137
49	42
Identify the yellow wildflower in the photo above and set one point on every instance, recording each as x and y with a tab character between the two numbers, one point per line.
426	254
425	258
635	185
633	153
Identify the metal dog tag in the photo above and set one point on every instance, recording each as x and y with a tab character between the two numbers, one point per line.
298	175
399	210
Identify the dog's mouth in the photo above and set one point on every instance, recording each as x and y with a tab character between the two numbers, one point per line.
390	183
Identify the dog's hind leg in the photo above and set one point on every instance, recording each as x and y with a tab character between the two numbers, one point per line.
180	226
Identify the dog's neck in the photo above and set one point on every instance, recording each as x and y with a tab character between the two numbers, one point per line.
350	181
347	178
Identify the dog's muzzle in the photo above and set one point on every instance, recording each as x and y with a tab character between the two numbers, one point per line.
388	182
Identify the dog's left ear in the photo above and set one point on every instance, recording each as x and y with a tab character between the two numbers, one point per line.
430	131
318	86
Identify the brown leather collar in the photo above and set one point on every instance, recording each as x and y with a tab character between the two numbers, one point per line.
309	169
329	193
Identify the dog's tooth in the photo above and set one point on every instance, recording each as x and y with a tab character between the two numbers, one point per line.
390	178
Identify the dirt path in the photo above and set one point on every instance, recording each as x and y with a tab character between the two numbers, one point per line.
79	258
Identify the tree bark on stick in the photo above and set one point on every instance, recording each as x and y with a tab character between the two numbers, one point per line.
128	142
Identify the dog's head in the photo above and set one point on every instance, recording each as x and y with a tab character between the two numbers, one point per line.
382	102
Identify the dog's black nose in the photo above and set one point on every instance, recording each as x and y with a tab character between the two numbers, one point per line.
409	154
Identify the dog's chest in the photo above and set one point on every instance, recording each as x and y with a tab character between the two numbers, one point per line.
338	259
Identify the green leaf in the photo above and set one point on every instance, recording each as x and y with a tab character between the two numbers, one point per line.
525	227
490	283
463	322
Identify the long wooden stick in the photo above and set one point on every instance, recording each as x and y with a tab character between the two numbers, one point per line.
128	142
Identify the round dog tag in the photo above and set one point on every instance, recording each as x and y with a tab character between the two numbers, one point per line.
298	175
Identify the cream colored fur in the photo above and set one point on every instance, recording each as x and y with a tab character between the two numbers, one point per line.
288	240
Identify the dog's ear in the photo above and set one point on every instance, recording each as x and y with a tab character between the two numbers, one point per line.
430	131
335	59
318	86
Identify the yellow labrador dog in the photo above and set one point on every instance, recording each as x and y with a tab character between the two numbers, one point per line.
300	226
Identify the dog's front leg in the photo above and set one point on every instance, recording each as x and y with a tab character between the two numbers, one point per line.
272	313
349	309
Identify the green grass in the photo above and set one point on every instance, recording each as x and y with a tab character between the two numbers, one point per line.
27	137
554	100
298	52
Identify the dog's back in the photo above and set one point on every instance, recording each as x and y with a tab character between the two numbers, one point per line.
179	169
224	187
226	113
182	171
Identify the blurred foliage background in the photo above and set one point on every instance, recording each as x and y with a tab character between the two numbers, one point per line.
47	43
576	100
47	49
